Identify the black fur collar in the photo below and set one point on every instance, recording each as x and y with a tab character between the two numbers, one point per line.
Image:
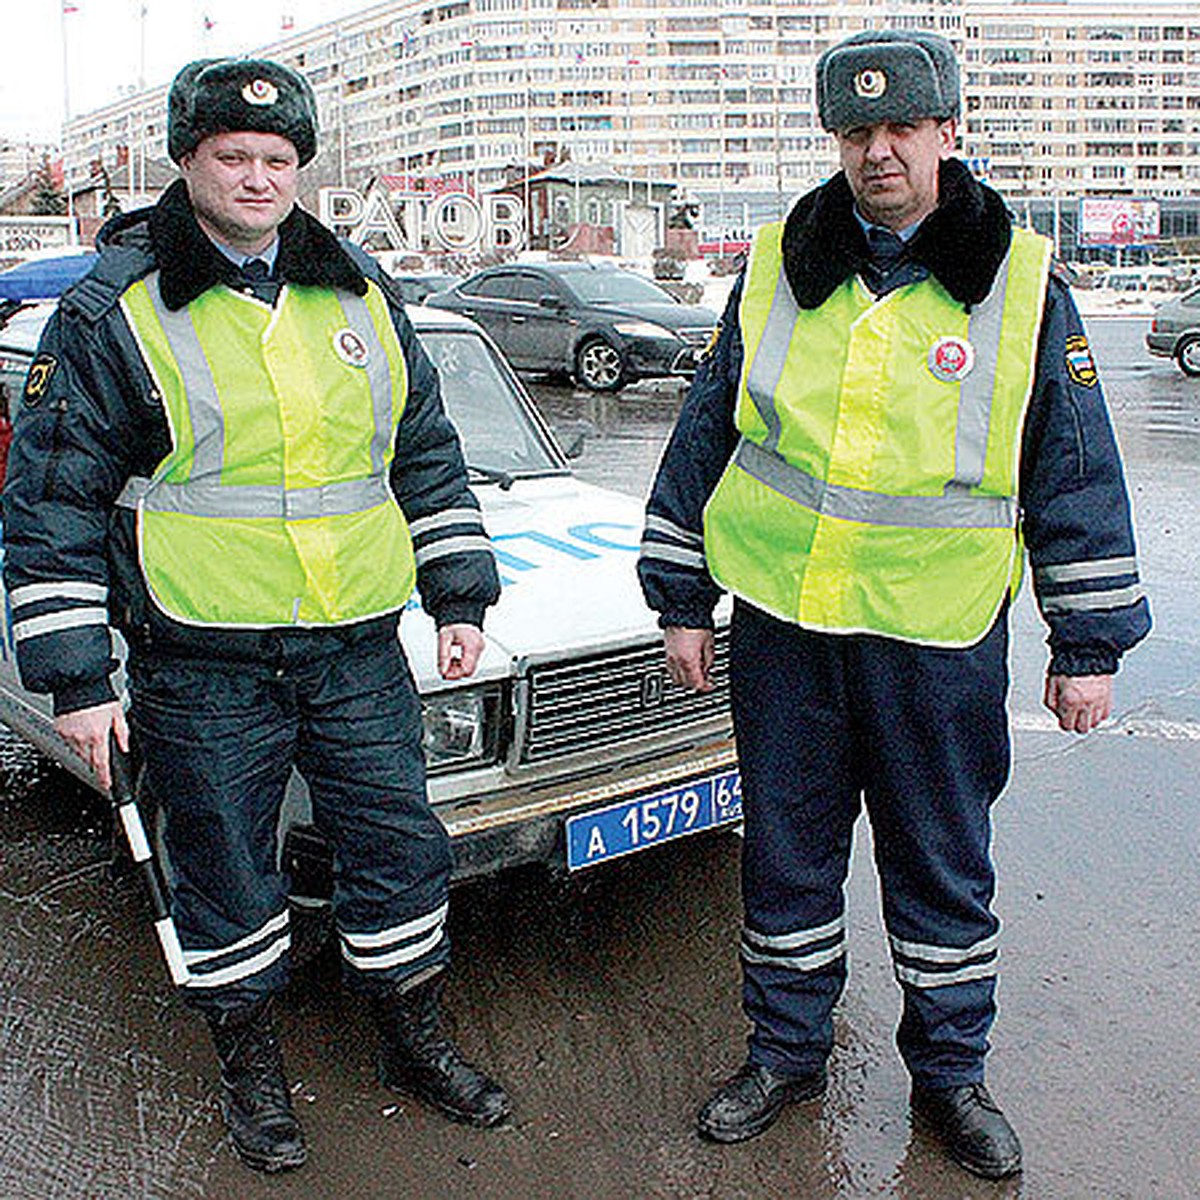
309	254
962	242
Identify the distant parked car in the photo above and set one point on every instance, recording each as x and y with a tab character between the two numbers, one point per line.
415	286
1175	331
1140	279
1088	274
45	276
601	324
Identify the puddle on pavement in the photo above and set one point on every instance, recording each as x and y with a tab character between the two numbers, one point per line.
619	436
95	1095
609	1004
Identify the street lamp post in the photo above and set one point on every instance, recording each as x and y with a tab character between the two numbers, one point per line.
66	93
776	87
721	162
629	131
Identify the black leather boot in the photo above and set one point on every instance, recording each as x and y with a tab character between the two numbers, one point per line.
971	1126
747	1105
255	1101
418	1059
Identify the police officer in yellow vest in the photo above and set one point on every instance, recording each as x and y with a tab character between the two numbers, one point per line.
235	451
900	396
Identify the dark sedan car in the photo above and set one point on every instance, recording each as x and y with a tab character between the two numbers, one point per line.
600	324
414	287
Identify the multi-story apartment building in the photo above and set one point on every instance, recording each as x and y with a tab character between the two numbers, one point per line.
19	160
1064	99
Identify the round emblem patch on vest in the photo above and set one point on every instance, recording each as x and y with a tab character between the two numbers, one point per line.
951	359
871	83
350	348
261	92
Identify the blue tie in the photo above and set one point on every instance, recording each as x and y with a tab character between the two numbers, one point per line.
886	248
887	251
258	275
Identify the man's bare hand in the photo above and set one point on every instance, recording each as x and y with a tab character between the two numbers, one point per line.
87	732
459	648
1080	702
690	657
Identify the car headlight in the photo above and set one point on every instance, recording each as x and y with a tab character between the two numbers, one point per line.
646	329
460	727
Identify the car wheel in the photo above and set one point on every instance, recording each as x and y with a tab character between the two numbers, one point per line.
1187	355
598	366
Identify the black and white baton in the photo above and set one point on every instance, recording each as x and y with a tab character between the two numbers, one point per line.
143	858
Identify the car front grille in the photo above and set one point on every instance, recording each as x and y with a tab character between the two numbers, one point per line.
600	701
695	336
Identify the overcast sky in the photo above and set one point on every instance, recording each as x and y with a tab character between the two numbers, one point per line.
104	40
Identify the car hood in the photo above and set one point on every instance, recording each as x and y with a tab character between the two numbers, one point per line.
567	554
673	316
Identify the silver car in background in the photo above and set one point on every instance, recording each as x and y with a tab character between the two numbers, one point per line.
1175	331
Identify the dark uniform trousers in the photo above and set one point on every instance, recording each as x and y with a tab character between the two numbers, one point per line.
219	739
824	721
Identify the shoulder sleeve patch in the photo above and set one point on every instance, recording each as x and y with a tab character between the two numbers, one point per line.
1081	367
38	380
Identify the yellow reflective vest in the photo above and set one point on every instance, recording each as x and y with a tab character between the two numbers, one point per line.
273	506
874	486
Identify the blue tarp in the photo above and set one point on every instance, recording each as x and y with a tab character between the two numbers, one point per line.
44	278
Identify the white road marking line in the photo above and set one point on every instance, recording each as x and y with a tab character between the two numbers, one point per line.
1152	727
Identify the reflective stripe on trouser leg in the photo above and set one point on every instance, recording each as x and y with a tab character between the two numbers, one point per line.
940	757
362	757
217	746
800	792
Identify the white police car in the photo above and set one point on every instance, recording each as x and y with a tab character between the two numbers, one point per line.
569	745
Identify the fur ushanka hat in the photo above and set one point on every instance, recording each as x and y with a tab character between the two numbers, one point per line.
235	95
887	75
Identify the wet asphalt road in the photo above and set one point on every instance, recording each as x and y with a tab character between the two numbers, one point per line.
608	1004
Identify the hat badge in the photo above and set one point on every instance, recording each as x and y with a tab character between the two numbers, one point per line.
260	92
871	83
951	359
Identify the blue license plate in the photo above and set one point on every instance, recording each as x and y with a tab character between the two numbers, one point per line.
633	825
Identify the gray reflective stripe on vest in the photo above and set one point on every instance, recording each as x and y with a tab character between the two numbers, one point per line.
379	376
292	504
204	405
212	499
956	509
985	325
762	380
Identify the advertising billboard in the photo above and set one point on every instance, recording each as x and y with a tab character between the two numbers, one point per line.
1117	222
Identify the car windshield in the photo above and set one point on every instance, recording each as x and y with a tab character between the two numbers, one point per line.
424	285
497	433
18	340
21	325
615	287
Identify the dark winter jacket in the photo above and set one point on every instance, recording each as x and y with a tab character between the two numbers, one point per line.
92	418
1075	516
